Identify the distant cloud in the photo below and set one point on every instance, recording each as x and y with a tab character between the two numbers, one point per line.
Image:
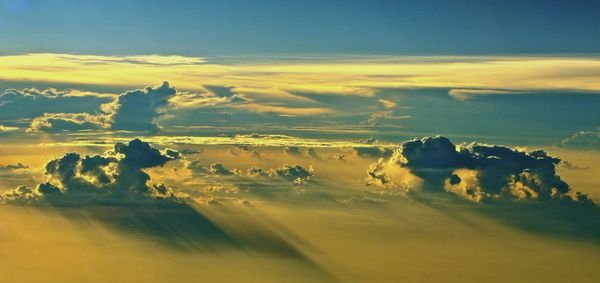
30	103
476	172
135	110
388	103
7	129
132	111
297	174
114	178
59	122
370	151
466	94
582	139
354	76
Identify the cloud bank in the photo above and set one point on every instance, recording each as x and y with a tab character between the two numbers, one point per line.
476	172
131	111
113	178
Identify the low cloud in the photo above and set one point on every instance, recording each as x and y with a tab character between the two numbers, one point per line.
113	178
131	111
297	174
59	122
31	103
135	110
476	172
370	151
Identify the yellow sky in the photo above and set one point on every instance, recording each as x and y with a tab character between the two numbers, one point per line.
350	76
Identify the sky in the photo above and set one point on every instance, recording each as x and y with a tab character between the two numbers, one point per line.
305	141
238	27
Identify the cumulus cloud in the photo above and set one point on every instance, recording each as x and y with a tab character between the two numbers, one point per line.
112	178
294	173
133	110
136	109
476	171
214	169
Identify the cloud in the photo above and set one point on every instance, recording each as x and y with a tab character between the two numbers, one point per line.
297	174
30	103
385	116
466	94
114	178
215	169
15	174
215	96
7	129
17	166
582	139
301	151
59	122
135	110
476	172
350	76
369	151
388	104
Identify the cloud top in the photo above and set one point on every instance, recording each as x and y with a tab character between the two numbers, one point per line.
477	171
115	177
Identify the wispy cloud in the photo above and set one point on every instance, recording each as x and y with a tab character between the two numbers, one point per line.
350	76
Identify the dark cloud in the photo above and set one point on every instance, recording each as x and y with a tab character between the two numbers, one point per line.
187	151
477	171
135	110
16	166
296	173
370	151
113	178
64	122
31	103
214	169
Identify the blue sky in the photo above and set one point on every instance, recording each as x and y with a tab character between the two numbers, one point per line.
233	27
